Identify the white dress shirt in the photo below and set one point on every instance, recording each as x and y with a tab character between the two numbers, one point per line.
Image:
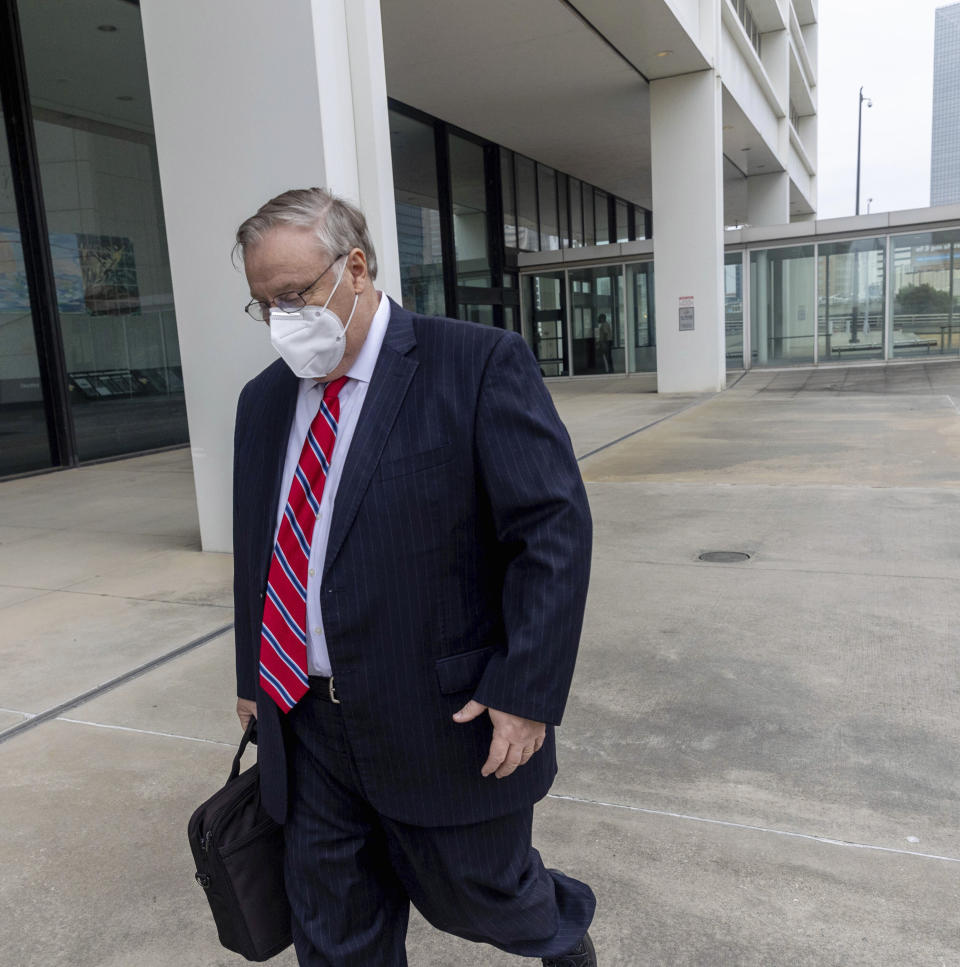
310	394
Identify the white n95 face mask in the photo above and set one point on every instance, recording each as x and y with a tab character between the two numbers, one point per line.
311	340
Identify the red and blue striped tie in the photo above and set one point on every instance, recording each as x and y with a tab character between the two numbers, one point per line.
283	639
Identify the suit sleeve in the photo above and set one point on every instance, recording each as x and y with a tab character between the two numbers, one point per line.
246	637
543	527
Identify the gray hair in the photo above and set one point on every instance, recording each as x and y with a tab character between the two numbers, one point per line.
338	225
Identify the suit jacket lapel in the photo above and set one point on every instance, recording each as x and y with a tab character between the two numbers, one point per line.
276	416
388	386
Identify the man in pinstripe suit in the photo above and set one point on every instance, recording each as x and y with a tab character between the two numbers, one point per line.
445	582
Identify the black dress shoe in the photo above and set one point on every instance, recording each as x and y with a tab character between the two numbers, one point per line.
583	955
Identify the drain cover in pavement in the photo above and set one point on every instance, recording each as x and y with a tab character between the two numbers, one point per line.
724	557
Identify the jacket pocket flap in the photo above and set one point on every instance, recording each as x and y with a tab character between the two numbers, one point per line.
461	672
412	462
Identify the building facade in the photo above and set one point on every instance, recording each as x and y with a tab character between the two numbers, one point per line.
482	140
945	147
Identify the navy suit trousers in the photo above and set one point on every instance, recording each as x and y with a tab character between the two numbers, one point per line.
352	872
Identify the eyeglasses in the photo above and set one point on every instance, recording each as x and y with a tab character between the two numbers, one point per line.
286	301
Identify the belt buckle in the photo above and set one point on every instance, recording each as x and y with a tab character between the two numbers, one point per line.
332	693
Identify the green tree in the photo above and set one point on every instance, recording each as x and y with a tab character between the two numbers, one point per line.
919	300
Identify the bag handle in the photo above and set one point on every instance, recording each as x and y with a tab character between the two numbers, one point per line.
250	734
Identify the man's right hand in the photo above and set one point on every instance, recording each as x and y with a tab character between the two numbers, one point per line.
246	709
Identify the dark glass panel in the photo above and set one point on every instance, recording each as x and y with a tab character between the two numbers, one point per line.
418	214
528	227
469	193
549	222
509	199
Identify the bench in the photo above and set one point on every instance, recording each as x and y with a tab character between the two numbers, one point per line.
865	346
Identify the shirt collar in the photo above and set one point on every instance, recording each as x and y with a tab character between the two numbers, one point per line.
363	365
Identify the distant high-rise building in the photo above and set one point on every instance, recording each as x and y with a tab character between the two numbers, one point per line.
945	154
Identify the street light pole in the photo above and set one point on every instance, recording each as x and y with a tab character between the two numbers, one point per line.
859	138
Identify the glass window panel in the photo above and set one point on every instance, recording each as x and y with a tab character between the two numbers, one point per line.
528	230
418	215
642	344
564	210
544	310
733	307
850	303
589	227
549	223
468	189
639	222
781	300
623	221
482	314
602	216
101	190
926	286
509	199
24	444
596	316
576	214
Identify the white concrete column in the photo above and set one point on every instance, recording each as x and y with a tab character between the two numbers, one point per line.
286	94
768	199
686	149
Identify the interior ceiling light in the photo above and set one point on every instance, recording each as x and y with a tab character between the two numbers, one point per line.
664	53
107	28
728	127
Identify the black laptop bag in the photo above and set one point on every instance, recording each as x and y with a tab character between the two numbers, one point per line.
238	850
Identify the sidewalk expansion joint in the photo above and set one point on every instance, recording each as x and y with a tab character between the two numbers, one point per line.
128	728
58	710
662	419
746	827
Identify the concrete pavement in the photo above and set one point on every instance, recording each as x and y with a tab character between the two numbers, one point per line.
758	762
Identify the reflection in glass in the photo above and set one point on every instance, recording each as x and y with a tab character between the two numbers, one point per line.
468	189
418	214
733	307
482	314
23	428
564	210
549	223
642	345
528	230
623	221
781	299
509	199
589	228
850	303
101	190
925	290
544	302
602	215
576	214
596	318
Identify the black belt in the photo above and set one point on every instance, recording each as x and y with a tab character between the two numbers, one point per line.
323	689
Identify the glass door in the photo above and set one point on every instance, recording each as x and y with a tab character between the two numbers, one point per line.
544	310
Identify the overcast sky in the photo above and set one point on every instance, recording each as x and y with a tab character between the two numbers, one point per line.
887	47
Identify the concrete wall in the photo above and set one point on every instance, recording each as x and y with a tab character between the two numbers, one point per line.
685	122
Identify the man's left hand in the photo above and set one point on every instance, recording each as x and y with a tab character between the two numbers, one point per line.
515	739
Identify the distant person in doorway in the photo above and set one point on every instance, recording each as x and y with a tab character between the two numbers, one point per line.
603	338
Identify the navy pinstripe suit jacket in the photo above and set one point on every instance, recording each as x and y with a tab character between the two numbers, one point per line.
457	567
